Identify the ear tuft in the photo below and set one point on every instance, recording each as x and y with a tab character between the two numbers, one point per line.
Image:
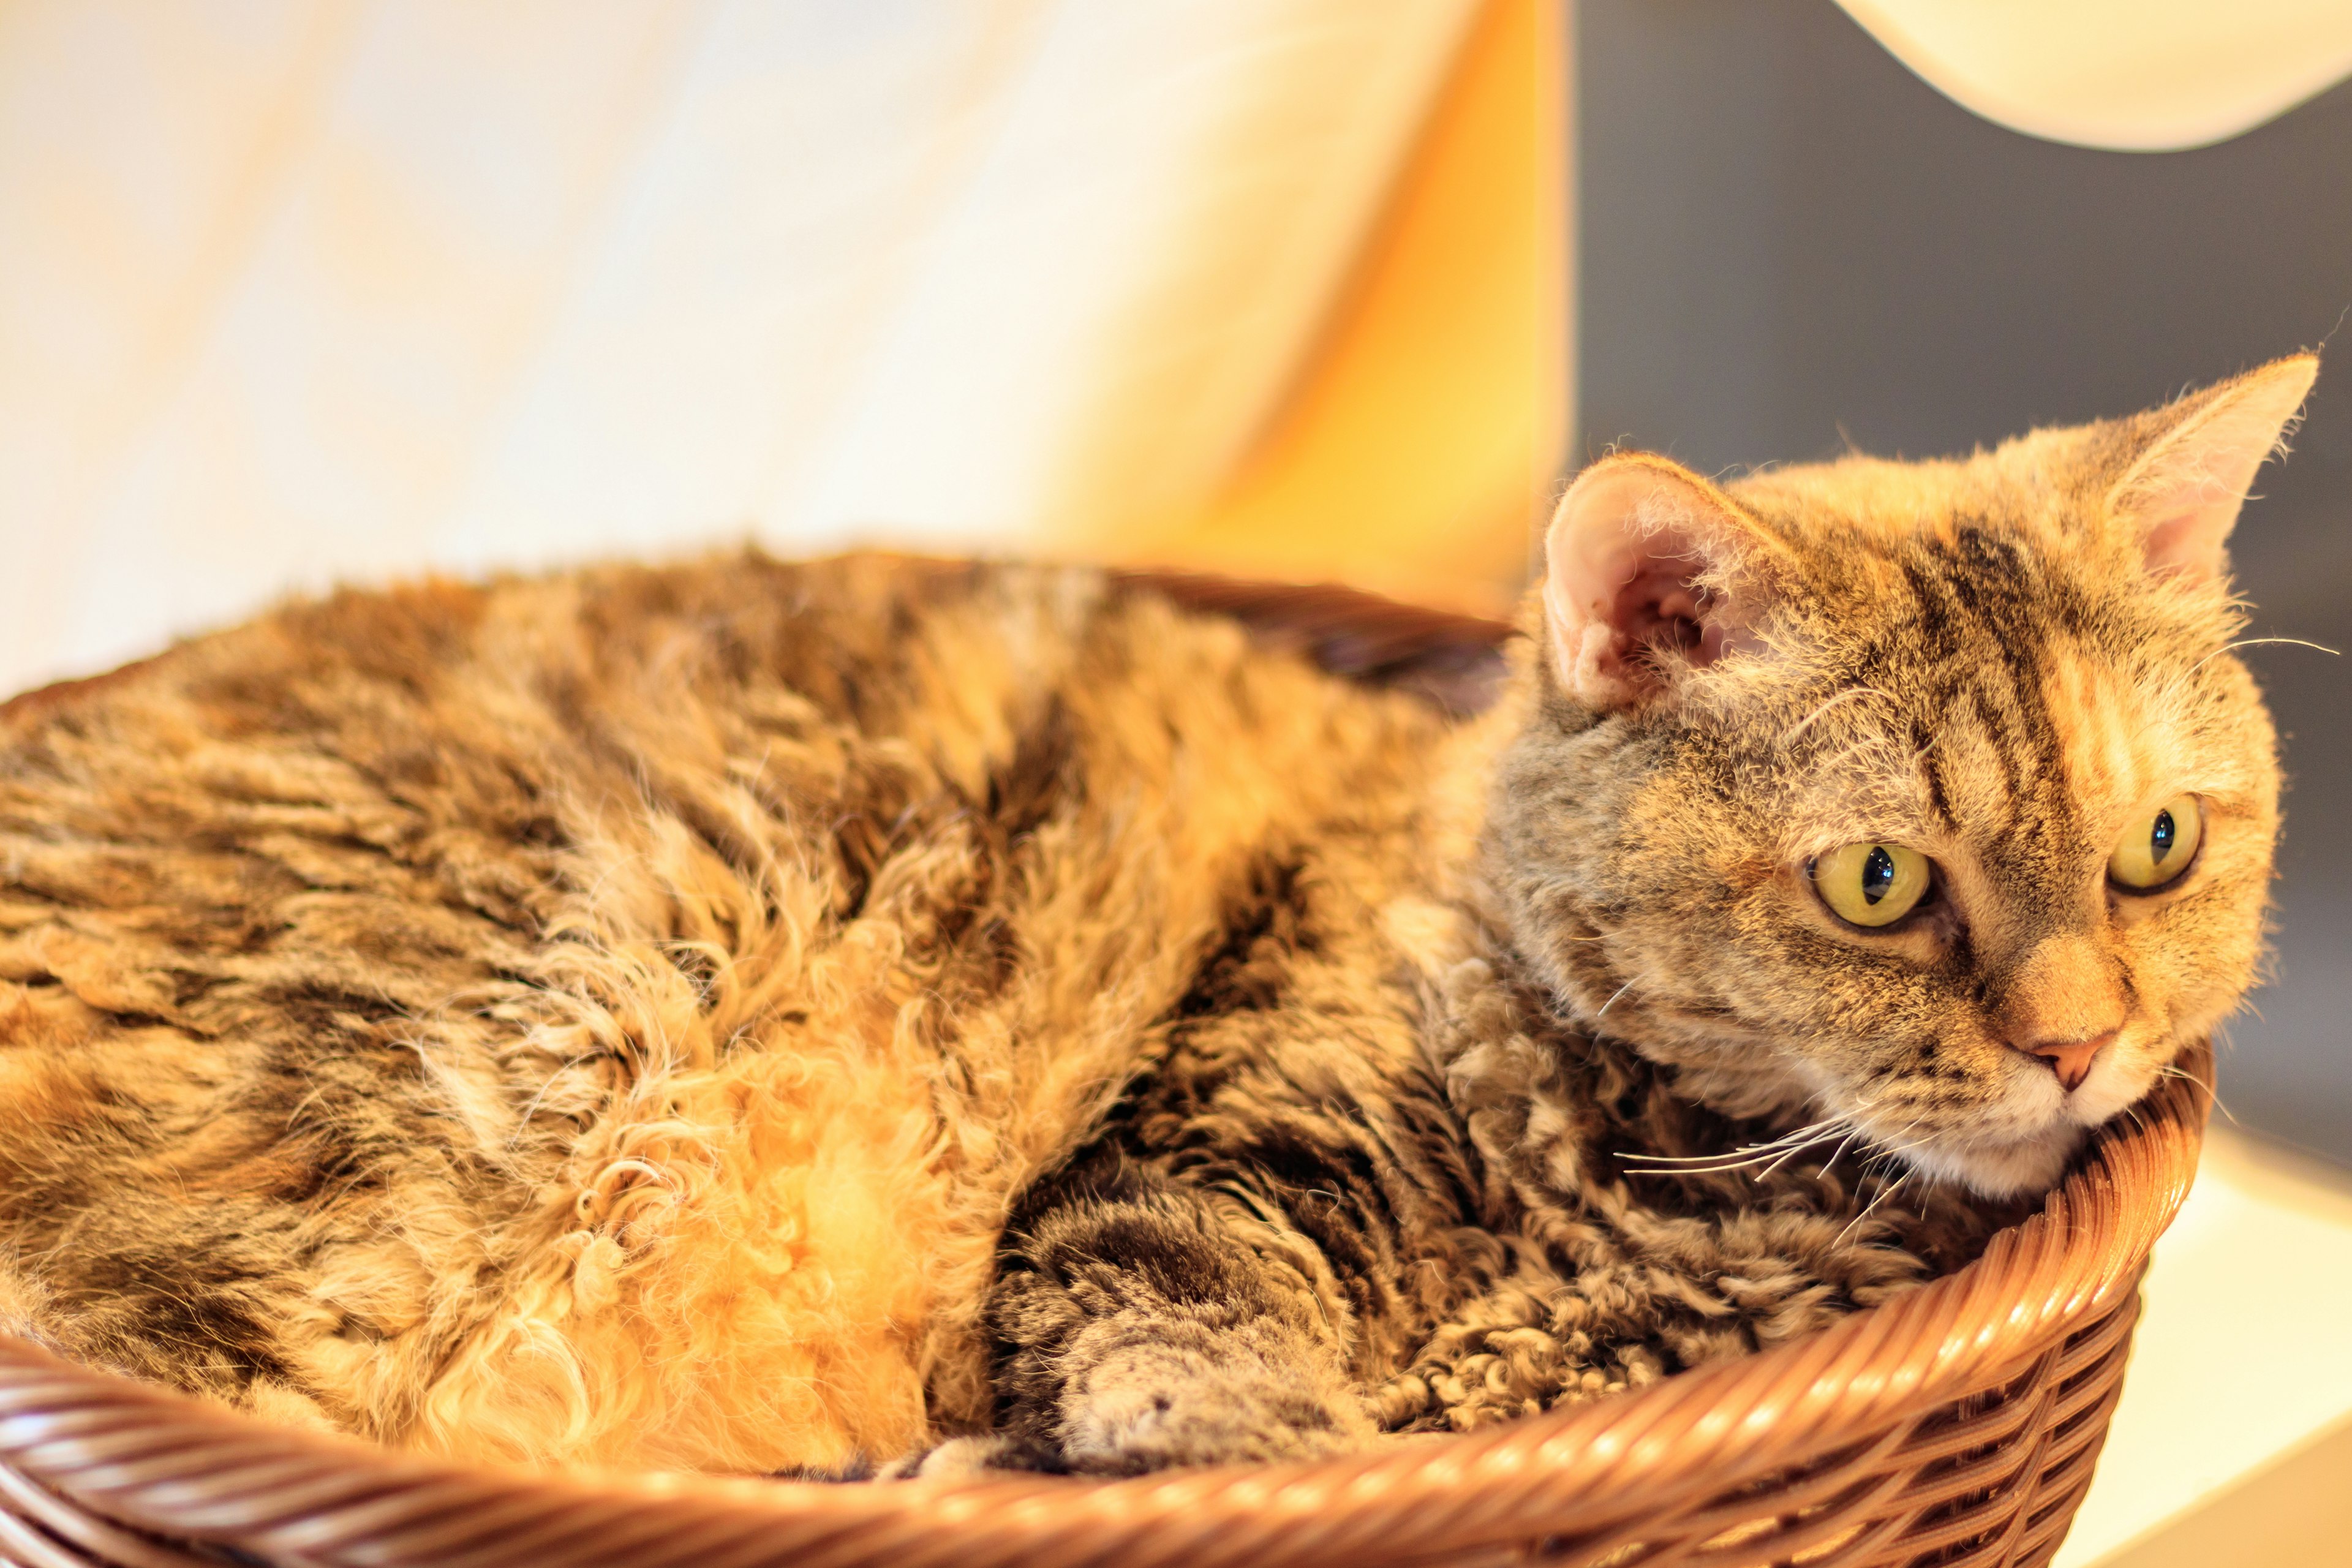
1647	569
2182	492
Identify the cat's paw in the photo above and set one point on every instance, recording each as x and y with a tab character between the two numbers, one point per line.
857	1467
1183	1399
973	1457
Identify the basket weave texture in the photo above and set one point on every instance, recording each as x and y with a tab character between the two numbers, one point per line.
1955	1425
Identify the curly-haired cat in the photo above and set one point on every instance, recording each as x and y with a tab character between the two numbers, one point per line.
746	1017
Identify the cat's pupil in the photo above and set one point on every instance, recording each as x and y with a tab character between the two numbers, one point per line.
2160	837
1878	872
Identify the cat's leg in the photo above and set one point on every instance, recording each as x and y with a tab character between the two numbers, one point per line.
1531	1342
1139	1328
1609	1307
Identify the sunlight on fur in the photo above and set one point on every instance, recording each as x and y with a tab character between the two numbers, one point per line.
758	1017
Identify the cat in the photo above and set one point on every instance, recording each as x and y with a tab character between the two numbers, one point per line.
782	1018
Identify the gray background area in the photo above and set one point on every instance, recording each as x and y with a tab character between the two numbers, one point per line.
1785	239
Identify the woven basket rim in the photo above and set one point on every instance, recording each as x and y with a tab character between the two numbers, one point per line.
91	1455
164	1462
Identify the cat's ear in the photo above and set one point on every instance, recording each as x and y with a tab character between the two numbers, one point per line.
2196	460
1648	570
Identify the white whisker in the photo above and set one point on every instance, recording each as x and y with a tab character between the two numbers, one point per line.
1885	1193
1613	1000
2193	1082
1776	1150
2258	642
1796	1149
1801	725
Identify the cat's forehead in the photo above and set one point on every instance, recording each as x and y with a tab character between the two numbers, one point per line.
1929	571
1955	662
2008	736
1975	744
1972	650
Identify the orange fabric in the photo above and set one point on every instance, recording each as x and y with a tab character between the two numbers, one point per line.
1424	437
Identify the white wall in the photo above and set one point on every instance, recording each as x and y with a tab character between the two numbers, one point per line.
293	290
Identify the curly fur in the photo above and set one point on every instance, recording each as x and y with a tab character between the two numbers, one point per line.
753	1016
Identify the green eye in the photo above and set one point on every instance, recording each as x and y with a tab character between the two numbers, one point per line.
1872	884
2157	846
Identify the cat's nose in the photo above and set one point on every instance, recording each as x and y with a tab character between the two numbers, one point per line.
2062	1000
2070	1059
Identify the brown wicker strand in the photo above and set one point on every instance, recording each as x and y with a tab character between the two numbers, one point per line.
1955	1426
1956	1423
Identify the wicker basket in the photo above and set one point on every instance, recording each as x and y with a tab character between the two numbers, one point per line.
1956	1425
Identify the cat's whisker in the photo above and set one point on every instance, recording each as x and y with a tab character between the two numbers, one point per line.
1800	1135
1885	1193
1699	1169
2258	642
1788	735
1894	1146
1672	1164
1775	1150
1612	999
1885	1140
1853	1131
1796	1149
2212	1093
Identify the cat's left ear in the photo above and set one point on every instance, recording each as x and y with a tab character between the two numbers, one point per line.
1649	571
2197	459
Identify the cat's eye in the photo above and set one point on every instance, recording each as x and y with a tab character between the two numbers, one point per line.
2157	846
1872	884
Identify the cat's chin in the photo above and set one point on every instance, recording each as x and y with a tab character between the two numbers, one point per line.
2020	1168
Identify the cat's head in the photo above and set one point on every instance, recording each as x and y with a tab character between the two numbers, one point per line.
1927	793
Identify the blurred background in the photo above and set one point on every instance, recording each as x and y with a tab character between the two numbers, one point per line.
294	291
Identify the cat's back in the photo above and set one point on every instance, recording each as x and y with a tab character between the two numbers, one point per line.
602	1016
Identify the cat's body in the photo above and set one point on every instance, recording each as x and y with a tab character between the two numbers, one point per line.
747	1017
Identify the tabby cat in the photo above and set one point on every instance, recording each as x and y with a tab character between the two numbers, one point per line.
760	1017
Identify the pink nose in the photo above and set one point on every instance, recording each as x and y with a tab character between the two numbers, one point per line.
2070	1059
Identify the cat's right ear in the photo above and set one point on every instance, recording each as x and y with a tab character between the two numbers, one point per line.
1649	570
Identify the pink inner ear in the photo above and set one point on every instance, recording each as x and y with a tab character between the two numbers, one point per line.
1627	556
2185	491
1657	605
1632	592
2189	542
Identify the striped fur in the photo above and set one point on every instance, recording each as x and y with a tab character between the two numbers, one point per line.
751	1016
